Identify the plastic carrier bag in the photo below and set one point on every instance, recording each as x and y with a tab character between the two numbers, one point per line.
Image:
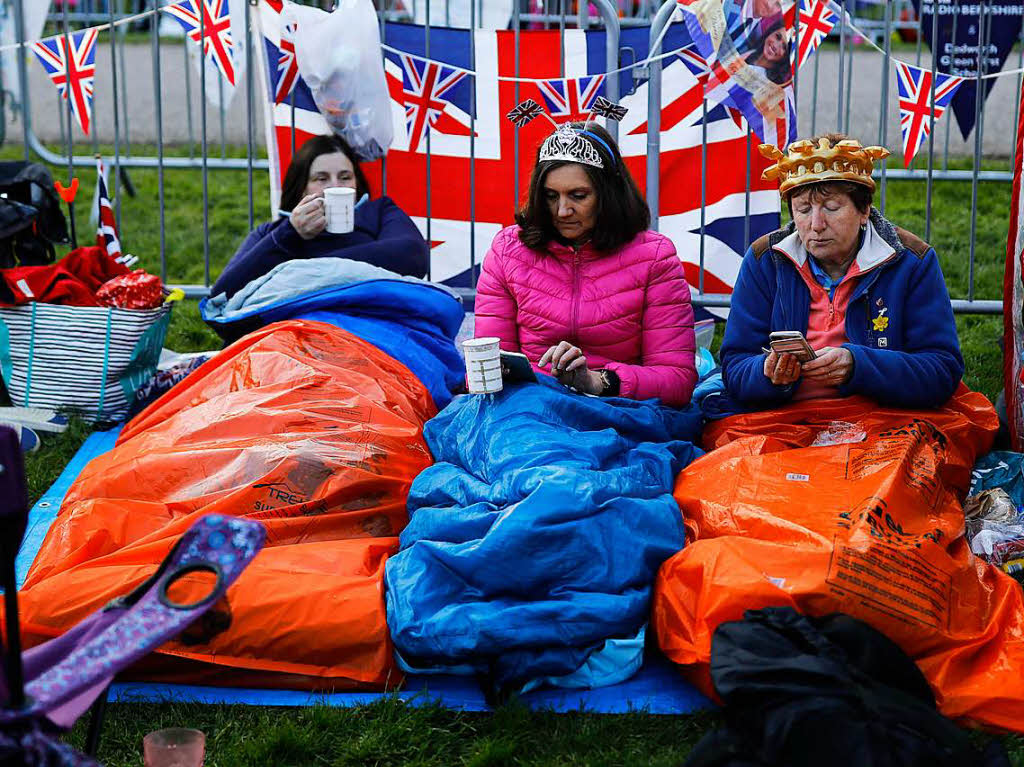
339	58
87	358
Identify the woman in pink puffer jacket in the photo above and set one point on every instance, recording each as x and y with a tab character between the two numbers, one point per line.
582	285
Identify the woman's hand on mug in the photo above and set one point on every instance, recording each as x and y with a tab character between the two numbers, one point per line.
569	366
781	369
308	217
833	366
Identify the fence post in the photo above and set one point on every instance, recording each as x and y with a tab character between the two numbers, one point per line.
661	20
611	84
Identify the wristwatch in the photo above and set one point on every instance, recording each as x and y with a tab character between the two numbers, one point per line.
610	383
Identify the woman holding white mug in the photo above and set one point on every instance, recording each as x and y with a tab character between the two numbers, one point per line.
381	233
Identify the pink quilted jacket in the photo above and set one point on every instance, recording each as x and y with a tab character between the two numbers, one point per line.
629	310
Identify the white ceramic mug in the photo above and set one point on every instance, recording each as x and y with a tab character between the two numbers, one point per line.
340	209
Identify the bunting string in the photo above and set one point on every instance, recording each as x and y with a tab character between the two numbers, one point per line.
64	55
649	60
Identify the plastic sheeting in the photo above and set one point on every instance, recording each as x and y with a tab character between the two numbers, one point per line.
414	322
537	533
872	528
301	425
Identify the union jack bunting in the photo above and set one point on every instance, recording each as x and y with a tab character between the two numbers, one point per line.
425	84
816	20
571	100
604	108
916	107
72	73
213	31
472	139
525	112
287	64
106	229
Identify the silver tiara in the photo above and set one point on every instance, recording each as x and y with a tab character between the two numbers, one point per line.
566	143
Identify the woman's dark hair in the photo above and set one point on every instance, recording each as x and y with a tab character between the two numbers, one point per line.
621	214
297	176
859	195
780	71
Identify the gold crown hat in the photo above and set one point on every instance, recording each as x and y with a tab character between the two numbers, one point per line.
804	163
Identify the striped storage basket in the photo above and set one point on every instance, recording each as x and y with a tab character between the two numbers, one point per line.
87	358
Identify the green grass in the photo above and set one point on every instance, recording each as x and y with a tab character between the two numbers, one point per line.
390	732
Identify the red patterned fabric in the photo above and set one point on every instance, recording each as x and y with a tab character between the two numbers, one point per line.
137	290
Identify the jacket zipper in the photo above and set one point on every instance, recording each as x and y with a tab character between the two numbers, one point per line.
575	295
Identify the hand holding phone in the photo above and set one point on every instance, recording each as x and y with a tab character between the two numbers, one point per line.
516	368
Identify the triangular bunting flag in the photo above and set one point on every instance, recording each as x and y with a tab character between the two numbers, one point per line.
816	21
72	72
916	108
213	31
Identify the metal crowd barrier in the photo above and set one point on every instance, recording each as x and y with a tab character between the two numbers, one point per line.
552	14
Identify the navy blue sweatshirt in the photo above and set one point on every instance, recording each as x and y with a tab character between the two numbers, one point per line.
383	236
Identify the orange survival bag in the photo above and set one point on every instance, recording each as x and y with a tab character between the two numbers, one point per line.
301	425
873	528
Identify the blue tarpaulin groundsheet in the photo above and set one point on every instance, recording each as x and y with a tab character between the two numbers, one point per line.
656	689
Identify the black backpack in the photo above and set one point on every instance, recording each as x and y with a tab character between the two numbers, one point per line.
807	692
31	217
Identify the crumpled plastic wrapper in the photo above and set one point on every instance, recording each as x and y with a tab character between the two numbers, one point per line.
840	433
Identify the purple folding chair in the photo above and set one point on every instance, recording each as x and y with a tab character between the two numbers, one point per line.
46	689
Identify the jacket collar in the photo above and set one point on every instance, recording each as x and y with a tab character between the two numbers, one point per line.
879	244
556	248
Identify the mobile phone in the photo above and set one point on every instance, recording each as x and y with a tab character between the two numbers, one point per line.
793	342
516	368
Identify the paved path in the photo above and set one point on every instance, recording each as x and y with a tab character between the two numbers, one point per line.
863	122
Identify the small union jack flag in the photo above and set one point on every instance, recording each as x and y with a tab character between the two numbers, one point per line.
425	84
525	112
72	73
106	229
287	64
213	31
916	105
571	99
604	108
816	20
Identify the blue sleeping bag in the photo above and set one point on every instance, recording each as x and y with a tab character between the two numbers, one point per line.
537	534
413	321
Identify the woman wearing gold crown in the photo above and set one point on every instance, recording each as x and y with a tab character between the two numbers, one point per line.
869	297
582	287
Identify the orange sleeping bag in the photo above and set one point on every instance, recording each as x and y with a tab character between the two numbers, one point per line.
873	528
301	425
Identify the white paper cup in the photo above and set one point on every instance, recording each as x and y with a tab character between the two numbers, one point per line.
340	209
483	365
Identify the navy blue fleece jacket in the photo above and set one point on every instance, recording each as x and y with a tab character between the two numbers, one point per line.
910	360
383	236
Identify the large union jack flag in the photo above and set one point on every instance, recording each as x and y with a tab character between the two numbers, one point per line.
425	85
287	64
816	20
72	72
472	136
571	99
212	31
916	105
